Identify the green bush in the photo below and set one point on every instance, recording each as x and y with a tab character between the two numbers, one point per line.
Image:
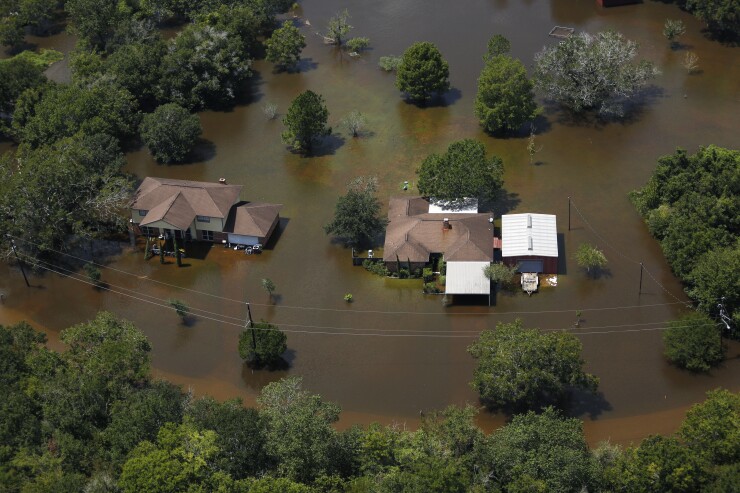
358	44
428	274
693	342
377	268
403	274
389	63
431	288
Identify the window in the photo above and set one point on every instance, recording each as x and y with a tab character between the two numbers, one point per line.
143	213
147	231
208	235
203	219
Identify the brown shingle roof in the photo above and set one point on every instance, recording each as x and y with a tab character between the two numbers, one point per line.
413	233
175	211
205	198
252	219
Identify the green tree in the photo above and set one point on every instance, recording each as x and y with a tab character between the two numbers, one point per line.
300	435
463	171
497	45
181	308
338	27
357	45
505	99
590	258
712	428
672	30
586	72
721	16
205	68
92	272
357	214
137	67
262	344
693	342
716	276
285	45
170	132
547	451
15	15
522	368
305	121
422	72
268	285
94	21
16	75
498	272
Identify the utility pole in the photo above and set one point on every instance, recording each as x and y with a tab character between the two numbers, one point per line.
20	262
568	213
250	324
641	268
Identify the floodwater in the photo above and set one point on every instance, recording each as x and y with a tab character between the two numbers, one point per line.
393	351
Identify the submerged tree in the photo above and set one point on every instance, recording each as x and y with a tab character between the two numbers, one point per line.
170	132
587	72
354	123
672	30
181	308
357	217
262	344
497	45
305	121
285	45
338	27
463	171
590	258
422	72
694	342
522	368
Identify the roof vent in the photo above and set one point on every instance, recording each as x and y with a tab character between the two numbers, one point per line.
222	181
529	222
530	244
446	223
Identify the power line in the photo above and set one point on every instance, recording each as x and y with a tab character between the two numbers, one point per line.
381	312
367	332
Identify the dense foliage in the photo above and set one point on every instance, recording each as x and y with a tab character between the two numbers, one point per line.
499	272
16	75
17	15
692	206
357	218
586	72
694	342
92	419
721	16
522	368
590	258
505	100
285	45
422	72
262	344
170	132
463	171
305	121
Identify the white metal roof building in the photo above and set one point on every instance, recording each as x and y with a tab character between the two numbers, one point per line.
529	235
467	278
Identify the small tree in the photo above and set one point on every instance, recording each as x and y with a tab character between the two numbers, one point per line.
389	63
532	148
505	99
92	272
694	342
358	44
672	30
305	121
354	123
463	171
497	45
422	72
522	368
590	257
357	215
691	62
270	110
262	344
285	45
268	286
170	132
338	27
499	273
180	307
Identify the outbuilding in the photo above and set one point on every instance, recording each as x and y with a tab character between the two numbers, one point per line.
530	242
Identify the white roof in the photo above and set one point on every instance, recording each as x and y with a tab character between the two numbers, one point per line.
529	235
465	206
467	278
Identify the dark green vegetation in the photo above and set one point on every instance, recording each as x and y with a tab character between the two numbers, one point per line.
522	368
691	205
262	344
721	16
17	15
92	419
357	218
305	121
422	72
586	72
463	171
693	342
285	45
170	132
505	99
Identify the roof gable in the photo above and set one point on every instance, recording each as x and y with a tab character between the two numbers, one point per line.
205	198
252	218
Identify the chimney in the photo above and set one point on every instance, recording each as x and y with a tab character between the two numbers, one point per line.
222	181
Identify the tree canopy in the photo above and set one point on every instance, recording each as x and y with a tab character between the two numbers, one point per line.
721	16
305	121
463	171
694	342
170	132
522	368
585	72
262	344
505	100
285	45
422	72
357	215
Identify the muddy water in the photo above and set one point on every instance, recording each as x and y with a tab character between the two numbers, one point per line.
394	352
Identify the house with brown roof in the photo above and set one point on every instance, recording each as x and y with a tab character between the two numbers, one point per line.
419	229
200	210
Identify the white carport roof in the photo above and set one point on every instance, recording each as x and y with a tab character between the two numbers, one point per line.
529	235
467	278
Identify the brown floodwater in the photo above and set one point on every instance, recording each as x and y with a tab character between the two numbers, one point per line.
394	352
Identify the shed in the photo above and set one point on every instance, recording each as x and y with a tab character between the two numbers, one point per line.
530	242
467	278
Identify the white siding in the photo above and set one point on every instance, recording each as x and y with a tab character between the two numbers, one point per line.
516	234
467	278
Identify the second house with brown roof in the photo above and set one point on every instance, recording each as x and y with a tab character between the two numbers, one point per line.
200	210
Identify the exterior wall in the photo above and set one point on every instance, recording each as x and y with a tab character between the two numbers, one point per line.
393	265
161	226
549	264
216	225
135	216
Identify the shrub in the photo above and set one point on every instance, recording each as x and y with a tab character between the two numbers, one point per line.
348	297
693	342
403	274
358	44
427	274
431	288
377	268
389	63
